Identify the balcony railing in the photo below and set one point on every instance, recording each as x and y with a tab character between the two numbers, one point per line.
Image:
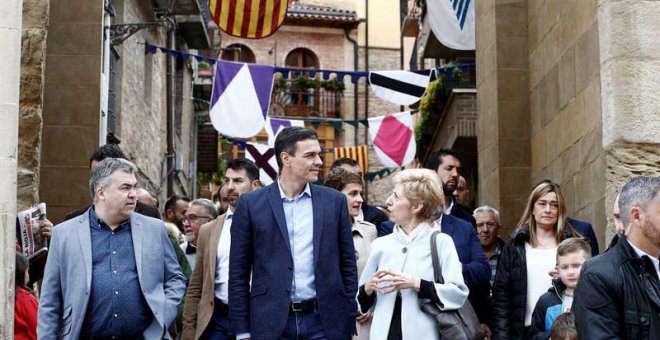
313	99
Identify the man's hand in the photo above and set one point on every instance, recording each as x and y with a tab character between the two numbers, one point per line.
46	228
486	330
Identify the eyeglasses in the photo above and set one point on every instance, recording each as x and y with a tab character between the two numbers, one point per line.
194	218
487	224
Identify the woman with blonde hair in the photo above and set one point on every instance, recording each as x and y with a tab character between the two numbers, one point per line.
526	261
351	184
398	275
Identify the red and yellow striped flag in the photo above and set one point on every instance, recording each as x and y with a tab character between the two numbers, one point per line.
358	153
253	19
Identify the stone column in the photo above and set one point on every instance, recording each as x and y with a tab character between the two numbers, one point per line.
503	130
630	67
10	62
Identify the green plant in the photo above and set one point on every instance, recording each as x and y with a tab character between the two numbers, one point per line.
279	85
216	177
203	65
333	85
428	107
303	83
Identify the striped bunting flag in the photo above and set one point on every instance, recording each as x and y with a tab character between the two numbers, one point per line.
357	153
252	19
400	87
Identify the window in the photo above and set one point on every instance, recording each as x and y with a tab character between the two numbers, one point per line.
302	58
238	52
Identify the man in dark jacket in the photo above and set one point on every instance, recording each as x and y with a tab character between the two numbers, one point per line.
447	164
618	295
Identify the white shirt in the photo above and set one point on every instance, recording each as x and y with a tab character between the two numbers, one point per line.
222	259
299	216
654	260
540	261
449	207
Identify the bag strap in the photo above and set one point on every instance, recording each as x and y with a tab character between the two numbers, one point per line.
437	268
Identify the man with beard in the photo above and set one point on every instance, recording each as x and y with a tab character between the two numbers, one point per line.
618	295
618	225
206	313
447	164
175	210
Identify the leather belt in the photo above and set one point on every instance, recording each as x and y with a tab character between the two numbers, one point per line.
221	307
307	306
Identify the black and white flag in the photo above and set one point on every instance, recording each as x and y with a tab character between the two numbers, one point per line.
400	87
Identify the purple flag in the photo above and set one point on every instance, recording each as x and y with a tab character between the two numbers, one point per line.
240	98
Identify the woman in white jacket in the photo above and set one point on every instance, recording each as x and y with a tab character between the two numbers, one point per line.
398	275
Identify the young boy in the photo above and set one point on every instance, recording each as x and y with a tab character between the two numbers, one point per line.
571	254
564	328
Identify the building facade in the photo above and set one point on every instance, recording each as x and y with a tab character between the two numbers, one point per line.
330	35
564	93
87	79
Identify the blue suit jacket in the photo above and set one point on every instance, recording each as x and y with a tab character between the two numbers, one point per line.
260	251
476	271
68	277
585	229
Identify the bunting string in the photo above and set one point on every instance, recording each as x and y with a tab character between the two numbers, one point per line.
295	71
316	121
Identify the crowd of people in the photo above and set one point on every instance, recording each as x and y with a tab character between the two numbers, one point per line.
296	260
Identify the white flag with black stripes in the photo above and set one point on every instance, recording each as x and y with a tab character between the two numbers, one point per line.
400	87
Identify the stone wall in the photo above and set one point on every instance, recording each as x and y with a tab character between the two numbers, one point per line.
592	99
142	119
565	100
33	59
71	106
629	69
503	107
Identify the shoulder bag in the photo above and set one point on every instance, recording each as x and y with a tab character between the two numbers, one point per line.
456	324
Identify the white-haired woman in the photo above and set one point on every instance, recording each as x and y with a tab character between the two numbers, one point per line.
399	272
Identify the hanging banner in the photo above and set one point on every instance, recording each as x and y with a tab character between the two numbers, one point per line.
251	19
264	157
357	153
275	125
400	87
393	139
240	98
452	22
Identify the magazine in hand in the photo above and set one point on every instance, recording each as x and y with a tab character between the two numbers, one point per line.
31	221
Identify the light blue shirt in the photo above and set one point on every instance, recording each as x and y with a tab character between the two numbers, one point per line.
299	215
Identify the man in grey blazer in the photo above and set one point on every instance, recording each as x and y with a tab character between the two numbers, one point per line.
110	273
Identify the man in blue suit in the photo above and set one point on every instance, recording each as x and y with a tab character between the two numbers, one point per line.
293	240
110	273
